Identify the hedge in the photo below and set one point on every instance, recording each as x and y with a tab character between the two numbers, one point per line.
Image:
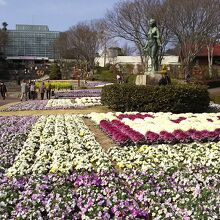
173	98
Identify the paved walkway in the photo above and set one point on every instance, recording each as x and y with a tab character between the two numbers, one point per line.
8	101
58	111
214	90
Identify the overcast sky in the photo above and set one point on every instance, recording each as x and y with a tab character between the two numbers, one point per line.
59	15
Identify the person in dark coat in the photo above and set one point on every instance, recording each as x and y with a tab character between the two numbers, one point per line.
165	80
48	89
42	90
3	90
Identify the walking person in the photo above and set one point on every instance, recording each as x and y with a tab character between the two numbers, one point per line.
48	88
32	90
118	77
29	89
24	90
3	90
42	90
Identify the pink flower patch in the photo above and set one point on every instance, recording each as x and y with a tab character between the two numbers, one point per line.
178	120
209	119
152	137
167	137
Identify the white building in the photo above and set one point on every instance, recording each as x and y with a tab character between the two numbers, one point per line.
135	60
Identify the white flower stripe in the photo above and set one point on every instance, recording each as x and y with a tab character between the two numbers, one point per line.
59	144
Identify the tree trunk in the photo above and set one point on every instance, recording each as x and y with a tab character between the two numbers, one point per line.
210	58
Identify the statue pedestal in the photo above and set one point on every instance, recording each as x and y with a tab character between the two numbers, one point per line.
149	78
141	80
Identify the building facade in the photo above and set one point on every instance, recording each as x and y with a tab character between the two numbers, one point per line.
31	42
135	60
202	57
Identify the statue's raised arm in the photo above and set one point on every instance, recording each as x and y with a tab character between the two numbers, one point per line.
153	44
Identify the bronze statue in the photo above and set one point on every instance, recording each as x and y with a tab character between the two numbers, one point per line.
153	44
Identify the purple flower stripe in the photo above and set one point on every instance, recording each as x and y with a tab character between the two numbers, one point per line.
92	84
88	180
13	133
70	197
36	105
28	105
79	93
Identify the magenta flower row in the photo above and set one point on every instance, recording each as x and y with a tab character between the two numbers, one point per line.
123	134
134	116
115	133
179	136
143	116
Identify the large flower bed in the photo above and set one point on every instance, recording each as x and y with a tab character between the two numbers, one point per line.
63	144
61	172
152	128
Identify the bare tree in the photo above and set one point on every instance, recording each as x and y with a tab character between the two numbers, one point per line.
192	23
128	50
129	20
104	37
61	45
83	39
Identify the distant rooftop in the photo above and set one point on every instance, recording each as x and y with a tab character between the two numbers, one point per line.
26	27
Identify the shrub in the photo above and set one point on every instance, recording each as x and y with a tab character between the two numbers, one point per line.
55	72
105	76
56	85
99	69
173	98
130	79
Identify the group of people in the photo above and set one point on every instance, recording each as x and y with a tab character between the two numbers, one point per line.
29	91
3	90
